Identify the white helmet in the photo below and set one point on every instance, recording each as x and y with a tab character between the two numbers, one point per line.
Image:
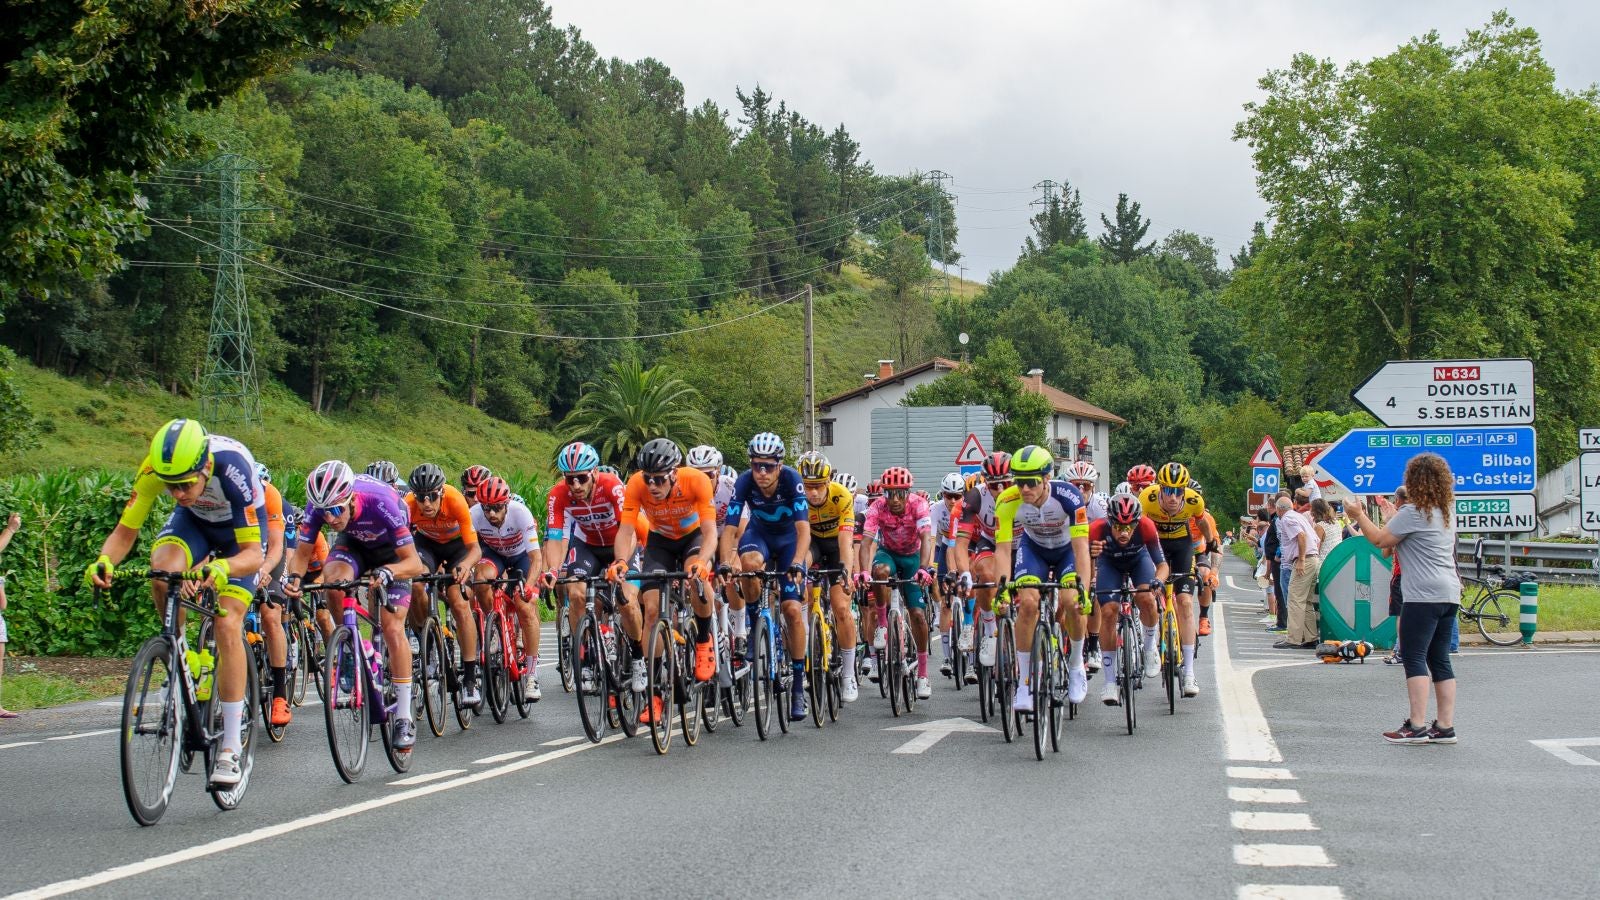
1102	498
1123	488
1082	470
704	456
953	483
845	480
329	484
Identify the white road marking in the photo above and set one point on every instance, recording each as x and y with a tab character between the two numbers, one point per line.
1246	734
116	703
501	757
934	732
258	835
1562	749
562	742
1281	855
1264	795
82	734
1260	773
1289	892
1273	821
17	744
1229	580
425	777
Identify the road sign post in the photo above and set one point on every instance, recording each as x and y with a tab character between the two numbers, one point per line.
1483	460
1422	393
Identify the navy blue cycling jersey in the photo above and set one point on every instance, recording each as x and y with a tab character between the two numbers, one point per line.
775	514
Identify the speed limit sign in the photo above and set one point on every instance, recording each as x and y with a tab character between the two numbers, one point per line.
1264	481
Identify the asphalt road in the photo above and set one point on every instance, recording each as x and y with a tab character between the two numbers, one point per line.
1195	802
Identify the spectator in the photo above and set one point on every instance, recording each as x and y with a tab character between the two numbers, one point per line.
1388	509
1329	531
1280	574
1265	567
12	524
1424	542
1301	564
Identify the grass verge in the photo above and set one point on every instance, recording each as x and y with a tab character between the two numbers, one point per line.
36	690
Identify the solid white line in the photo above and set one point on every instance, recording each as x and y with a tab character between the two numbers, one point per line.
1289	892
1246	734
1264	795
1229	579
1277	855
1259	773
212	848
1273	821
17	744
82	734
562	742
425	777
501	757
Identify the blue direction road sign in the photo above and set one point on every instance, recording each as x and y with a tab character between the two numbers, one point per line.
1264	480
1483	460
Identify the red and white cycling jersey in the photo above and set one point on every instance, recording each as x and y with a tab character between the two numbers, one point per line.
593	521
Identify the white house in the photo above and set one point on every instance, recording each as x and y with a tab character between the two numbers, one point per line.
844	421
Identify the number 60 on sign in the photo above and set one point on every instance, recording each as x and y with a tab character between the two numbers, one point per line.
1264	480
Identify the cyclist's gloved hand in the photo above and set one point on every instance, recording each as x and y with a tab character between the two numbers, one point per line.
616	571
290	584
965	580
725	570
383	577
548	579
924	577
862	578
216	572
99	573
698	568
796	572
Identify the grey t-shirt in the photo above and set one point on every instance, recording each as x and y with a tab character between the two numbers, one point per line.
1427	552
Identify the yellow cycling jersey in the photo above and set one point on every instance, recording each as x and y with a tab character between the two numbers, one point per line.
1176	525
837	511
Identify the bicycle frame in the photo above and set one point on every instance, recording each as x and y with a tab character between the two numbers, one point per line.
196	737
373	654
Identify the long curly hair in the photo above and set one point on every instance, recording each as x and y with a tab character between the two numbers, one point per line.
1430	486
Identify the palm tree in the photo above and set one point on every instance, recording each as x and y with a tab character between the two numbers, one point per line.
632	405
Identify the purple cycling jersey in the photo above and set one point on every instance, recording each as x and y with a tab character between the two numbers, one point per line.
380	518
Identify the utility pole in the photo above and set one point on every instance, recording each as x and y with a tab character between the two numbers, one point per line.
1050	204
811	379
229	394
936	224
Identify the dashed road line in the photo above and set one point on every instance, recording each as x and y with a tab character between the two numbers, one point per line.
563	741
425	777
1264	795
501	757
81	734
17	744
1289	892
1273	821
1282	855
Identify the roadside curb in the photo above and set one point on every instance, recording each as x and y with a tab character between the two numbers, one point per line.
1543	637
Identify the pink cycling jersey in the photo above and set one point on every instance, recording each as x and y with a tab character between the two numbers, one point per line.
899	533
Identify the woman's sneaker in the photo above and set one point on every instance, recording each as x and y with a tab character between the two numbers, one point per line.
1437	735
1408	733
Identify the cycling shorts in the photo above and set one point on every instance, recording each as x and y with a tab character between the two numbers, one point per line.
437	556
504	565
362	559
1180	557
664	554
1043	563
825	554
903	566
1108	575
777	551
200	539
941	556
587	560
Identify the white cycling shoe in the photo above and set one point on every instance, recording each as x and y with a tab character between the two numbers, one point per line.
1152	665
1109	695
1191	688
964	640
226	772
880	638
986	650
1023	701
848	692
1077	685
924	688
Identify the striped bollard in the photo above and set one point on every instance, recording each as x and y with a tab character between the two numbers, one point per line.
1530	610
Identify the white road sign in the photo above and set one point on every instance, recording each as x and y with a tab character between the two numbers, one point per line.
1588	440
1496	514
1467	392
1589	491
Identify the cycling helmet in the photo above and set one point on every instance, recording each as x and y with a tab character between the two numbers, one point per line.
875	489
924	495
577	457
1102	498
845	480
1141	476
767	445
1124	509
179	451
426	478
997	465
608	470
473	477
705	456
384	470
1032	461
1123	488
493	491
814	467
330	484
897	478
729	471
657	456
1082	470
1174	476
953	484
1194	486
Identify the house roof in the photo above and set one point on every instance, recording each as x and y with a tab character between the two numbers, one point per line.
1067	404
1294	455
1063	402
938	362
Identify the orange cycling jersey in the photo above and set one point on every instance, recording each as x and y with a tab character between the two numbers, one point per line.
687	505
454	519
274	502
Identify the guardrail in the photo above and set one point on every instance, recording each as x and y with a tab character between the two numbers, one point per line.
1533	557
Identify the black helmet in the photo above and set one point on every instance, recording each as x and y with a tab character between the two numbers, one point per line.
659	455
426	478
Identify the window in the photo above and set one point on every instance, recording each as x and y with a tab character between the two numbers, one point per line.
825	432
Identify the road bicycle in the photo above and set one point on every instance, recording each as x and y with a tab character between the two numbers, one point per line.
255	641
438	670
170	711
824	660
305	648
1493	605
897	663
771	680
1048	675
1170	646
603	658
563	639
504	661
669	653
1003	674
358	686
1130	660
961	604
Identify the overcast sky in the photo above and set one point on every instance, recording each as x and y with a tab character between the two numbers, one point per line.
1139	97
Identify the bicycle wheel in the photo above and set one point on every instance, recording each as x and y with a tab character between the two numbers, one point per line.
736	691
345	710
892	663
985	677
1129	663
399	760
1170	662
690	694
662	666
1039	663
496	682
315	653
761	693
816	672
1005	676
300	672
783	672
230	797
593	691
519	697
564	648
958	662
263	693
433	685
152	730
1058	689
454	677
1499	617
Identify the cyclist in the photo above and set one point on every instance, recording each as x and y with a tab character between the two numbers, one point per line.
277	640
1141	477
471	477
441	522
1207	559
946	516
375	540
832	515
973	552
510	538
1171	503
897	542
677	501
777	538
1054	543
1124	544
386	472
215	533
708	460
1082	474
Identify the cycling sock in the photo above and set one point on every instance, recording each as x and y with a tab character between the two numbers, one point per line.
1022	665
944	643
232	720
1108	661
532	662
1150	639
988	619
1188	660
635	648
738	622
799	667
470	671
280	682
1205	612
922	665
1075	654
850	662
702	625
402	696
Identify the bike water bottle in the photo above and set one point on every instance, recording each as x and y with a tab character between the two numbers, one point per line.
608	640
374	648
204	663
293	661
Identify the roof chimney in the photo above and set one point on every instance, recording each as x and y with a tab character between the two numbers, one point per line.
885	369
1036	380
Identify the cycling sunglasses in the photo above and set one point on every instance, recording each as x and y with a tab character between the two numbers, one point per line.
495	508
765	466
953	496
1032	482
1173	492
898	493
658	480
580	478
430	497
998	483
334	512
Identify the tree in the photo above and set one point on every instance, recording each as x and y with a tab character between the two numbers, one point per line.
1320	427
994	380
1227	441
900	259
630	405
1060	222
1122	237
94	93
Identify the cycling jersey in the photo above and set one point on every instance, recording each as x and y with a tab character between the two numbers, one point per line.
1201	528
775	513
720	496
1143	540
978	516
1172	526
593	521
272	502
378	517
452	521
861	502
837	511
899	533
687	505
516	535
232	497
1052	524
945	519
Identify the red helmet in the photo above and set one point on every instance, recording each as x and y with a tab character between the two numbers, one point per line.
897	478
1124	509
1141	477
997	465
494	491
875	489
